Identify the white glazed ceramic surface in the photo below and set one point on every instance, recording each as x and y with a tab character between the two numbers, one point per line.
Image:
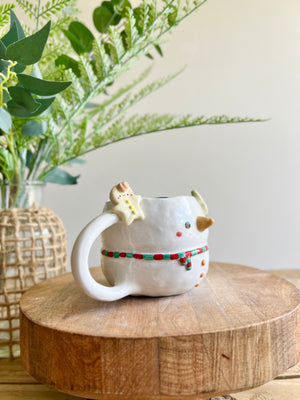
165	230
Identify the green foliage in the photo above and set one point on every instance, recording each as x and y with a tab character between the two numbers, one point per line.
5	120
45	11
32	128
29	50
14	21
109	14
7	164
23	97
80	37
43	128
21	100
41	86
58	175
4	13
141	125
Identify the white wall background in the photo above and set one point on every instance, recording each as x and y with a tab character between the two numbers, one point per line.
242	59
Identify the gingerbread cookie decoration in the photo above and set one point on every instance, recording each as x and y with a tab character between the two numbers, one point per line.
125	203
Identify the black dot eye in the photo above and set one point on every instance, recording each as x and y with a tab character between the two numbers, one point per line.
187	225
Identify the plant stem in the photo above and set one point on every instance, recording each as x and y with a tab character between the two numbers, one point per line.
13	194
140	133
38	15
11	146
37	160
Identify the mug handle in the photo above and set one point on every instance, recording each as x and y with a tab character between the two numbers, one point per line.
80	267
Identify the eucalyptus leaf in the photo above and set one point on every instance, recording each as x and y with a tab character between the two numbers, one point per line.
18	68
109	13
32	128
103	18
23	98
20	111
44	104
80	37
29	158
41	86
2	50
68	63
61	177
6	97
11	36
5	120
29	50
3	66
75	42
14	19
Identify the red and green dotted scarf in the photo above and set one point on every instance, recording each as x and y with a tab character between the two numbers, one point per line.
185	257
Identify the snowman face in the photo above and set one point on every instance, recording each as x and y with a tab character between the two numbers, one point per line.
187	229
170	225
178	227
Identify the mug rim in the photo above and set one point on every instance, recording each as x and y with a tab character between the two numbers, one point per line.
162	198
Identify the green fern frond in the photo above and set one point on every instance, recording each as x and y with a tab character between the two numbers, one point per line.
89	79
52	126
80	125
109	67
76	87
45	11
115	45
27	6
111	113
153	12
140	125
136	125
99	108
142	13
53	7
131	33
102	60
57	26
81	142
4	13
64	108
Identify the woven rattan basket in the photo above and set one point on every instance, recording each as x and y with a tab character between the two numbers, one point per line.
32	248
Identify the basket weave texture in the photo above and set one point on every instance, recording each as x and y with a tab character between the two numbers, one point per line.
33	247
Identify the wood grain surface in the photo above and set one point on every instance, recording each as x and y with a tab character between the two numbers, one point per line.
16	384
237	330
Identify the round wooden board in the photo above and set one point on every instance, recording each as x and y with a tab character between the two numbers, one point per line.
239	329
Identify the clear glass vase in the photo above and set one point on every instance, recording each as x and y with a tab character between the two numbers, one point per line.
32	248
22	195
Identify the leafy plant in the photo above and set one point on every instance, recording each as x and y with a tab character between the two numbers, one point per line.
45	121
23	96
4	13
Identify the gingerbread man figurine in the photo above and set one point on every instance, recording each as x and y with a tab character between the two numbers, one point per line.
126	203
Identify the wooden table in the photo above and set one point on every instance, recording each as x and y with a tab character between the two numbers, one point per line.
16	384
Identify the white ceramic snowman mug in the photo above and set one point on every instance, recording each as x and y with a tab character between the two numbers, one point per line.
151	246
